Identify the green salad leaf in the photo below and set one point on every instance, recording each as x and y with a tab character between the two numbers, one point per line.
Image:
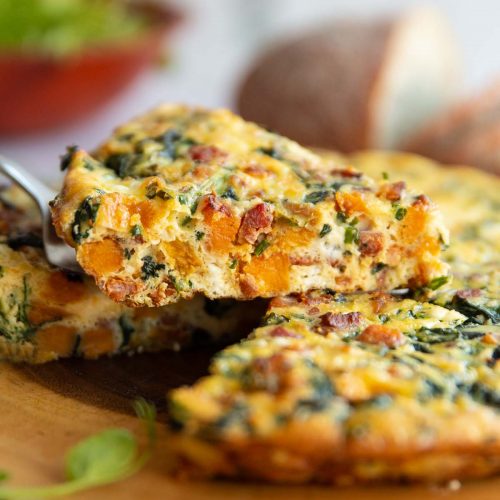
59	27
106	457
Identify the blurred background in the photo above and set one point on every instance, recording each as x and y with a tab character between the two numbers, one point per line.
70	70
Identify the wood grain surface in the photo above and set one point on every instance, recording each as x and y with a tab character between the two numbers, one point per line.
46	409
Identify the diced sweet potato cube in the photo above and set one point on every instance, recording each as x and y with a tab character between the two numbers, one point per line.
269	274
63	289
97	341
101	257
40	312
350	203
56	338
222	223
182	254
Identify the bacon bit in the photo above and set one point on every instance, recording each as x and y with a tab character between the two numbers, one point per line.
340	321
370	242
468	293
304	260
392	192
287	301
256	221
248	286
202	172
279	331
346	172
421	200
313	310
256	171
205	154
211	203
270	374
379	302
302	209
312	300
382	335
343	281
119	289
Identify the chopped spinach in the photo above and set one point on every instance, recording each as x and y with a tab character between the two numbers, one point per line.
376	268
400	213
341	217
325	230
14	320
174	144
67	157
150	268
122	164
199	235
316	196
128	252
84	218
435	335
152	191
322	390
127	329
136	230
274	319
230	193
476	313
272	152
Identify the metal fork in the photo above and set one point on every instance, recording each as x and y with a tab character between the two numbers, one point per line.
57	252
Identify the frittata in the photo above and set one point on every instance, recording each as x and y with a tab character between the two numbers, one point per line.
47	313
187	200
365	387
337	388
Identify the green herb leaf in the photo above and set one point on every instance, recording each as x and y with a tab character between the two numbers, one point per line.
316	196
233	263
106	457
400	213
341	217
438	282
84	218
325	230
102	456
261	247
351	235
385	175
136	230
199	235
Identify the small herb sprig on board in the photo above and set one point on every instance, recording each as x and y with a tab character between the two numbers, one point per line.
106	457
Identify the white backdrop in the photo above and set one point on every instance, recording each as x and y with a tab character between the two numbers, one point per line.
215	44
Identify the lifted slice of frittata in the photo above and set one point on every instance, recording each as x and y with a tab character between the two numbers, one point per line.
47	313
337	388
187	200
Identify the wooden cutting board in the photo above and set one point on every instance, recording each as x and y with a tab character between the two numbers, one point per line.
46	409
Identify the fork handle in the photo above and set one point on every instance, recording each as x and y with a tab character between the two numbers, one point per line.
40	193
